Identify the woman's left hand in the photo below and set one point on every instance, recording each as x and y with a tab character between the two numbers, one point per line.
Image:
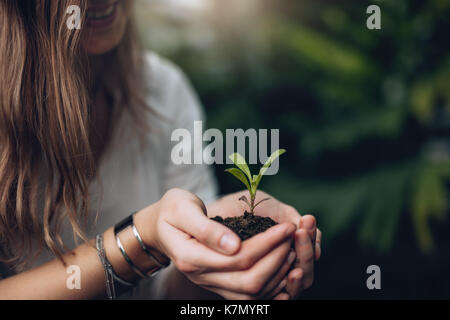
307	237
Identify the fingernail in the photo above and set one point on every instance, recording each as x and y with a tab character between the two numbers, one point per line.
297	276
228	242
282	284
308	223
291	257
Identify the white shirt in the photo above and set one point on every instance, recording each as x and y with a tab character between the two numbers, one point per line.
135	173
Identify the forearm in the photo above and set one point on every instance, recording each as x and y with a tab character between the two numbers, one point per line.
49	281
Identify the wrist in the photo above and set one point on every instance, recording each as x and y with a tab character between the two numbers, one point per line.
133	258
145	222
115	257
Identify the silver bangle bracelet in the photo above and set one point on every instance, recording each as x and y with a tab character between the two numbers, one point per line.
109	280
112	279
145	249
127	258
129	222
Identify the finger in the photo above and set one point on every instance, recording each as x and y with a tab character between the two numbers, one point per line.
282	296
318	244
189	255
280	274
294	283
190	217
308	223
250	281
305	256
257	247
280	287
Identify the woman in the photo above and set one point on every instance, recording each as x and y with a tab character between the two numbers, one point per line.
85	128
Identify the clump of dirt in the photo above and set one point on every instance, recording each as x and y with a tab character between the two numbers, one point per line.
247	225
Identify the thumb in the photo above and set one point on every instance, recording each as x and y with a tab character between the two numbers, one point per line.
212	234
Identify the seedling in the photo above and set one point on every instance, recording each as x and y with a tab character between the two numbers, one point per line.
249	224
243	174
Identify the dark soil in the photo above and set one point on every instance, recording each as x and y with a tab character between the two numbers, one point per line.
247	225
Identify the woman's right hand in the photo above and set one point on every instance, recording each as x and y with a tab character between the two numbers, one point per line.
211	255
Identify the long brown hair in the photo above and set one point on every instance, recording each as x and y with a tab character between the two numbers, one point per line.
45	114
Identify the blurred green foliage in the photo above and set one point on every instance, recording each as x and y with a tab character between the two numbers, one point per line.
365	114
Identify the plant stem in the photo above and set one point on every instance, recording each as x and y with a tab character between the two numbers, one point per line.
252	204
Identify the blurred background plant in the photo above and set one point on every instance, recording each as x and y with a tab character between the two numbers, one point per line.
364	113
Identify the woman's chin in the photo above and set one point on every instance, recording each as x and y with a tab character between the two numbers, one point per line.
97	43
103	35
101	44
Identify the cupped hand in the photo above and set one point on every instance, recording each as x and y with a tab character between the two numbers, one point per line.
211	255
307	237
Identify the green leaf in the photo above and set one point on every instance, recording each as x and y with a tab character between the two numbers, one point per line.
244	198
272	158
240	162
259	202
241	176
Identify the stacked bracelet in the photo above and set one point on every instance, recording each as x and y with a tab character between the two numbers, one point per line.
127	258
146	250
111	277
114	283
122	225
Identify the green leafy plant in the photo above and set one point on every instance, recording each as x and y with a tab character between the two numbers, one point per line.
243	174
